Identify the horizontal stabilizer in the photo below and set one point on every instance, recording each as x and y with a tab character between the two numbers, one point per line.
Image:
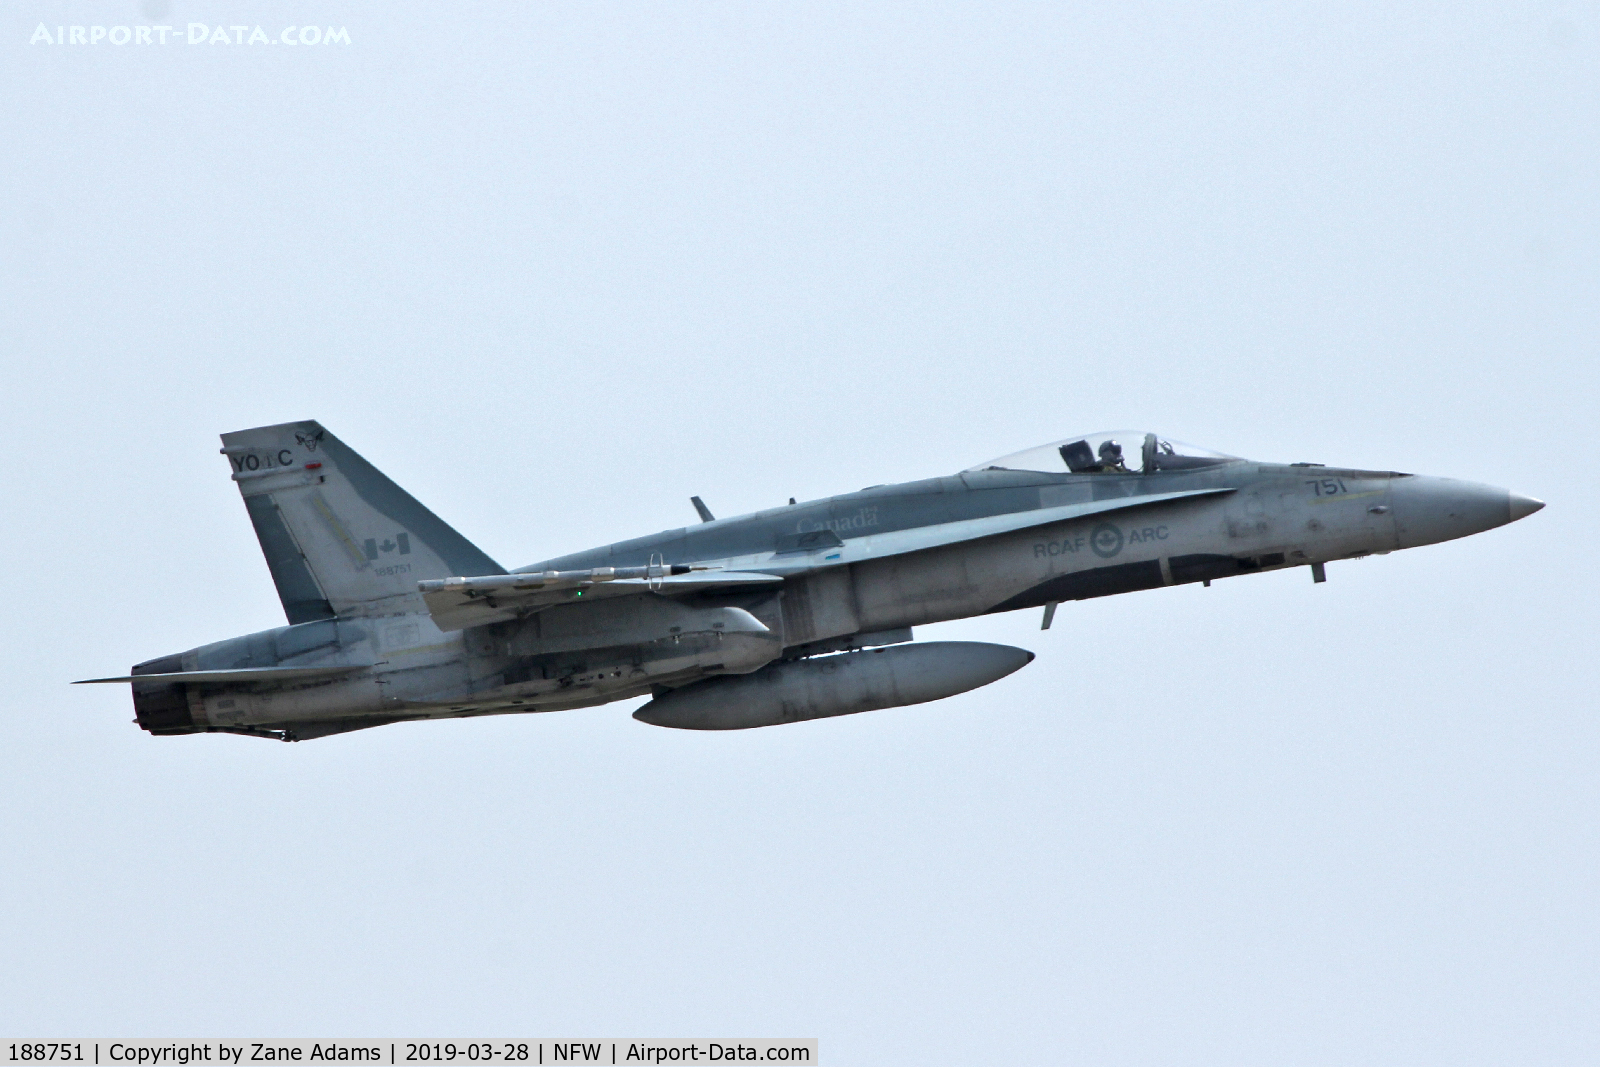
245	674
457	603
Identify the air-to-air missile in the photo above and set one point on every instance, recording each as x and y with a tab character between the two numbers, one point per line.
803	611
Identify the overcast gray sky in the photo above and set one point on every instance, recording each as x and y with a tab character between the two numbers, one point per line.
554	268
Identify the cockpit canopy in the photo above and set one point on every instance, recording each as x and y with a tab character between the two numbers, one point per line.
1109	452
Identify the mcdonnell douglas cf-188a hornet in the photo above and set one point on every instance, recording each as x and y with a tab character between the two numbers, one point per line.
798	612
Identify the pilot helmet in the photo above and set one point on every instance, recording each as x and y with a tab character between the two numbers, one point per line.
1110	453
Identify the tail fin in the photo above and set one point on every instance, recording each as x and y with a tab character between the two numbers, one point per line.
339	537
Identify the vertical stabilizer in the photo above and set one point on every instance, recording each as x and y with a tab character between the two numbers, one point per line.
339	537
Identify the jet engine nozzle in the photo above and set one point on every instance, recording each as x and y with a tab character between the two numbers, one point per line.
162	708
1429	510
834	685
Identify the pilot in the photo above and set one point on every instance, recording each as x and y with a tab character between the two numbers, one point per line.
1111	458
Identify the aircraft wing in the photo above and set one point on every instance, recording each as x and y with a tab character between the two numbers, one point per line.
456	603
918	538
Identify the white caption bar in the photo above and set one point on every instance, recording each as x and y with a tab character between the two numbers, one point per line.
519	1052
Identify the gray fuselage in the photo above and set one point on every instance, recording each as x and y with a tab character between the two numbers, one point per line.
843	573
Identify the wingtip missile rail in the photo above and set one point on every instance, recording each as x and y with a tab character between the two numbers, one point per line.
499	583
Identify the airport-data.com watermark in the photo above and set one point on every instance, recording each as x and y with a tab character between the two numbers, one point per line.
195	33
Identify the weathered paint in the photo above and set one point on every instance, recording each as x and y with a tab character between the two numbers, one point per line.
347	547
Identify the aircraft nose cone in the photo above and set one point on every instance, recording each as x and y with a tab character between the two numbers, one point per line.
1523	506
1430	510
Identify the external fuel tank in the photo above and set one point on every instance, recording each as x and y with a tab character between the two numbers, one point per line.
843	684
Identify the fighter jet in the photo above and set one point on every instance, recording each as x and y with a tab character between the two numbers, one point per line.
802	611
